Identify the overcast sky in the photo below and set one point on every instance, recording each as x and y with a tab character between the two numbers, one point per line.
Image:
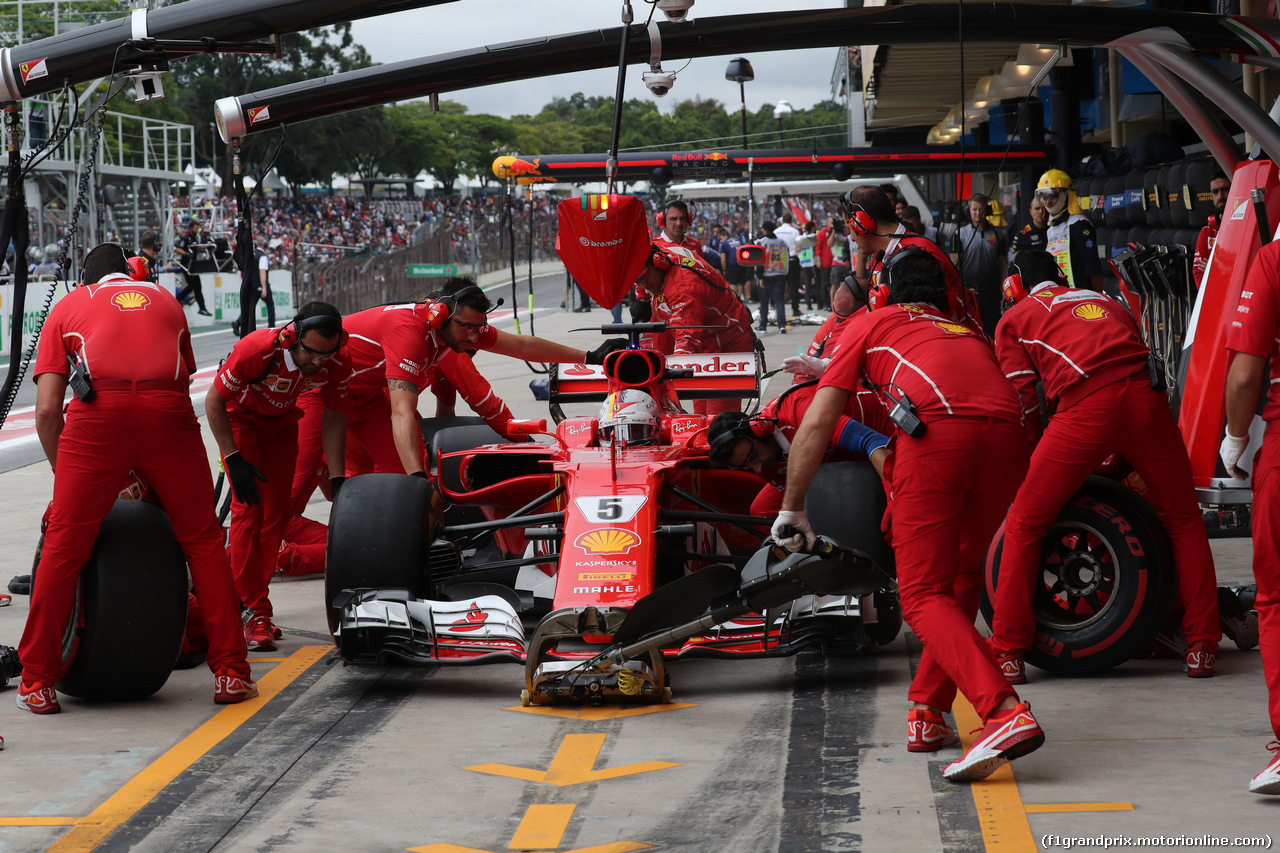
801	77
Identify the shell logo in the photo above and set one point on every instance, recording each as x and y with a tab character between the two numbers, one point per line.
607	540
1089	311
954	328
130	300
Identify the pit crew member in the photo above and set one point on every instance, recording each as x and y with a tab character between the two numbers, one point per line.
253	414
760	444
1219	190
1070	236
131	338
848	298
1087	351
1254	337
880	236
686	291
951	477
394	350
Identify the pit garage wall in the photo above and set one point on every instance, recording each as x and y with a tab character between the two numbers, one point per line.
221	293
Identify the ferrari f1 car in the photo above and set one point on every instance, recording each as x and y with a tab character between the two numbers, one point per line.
595	558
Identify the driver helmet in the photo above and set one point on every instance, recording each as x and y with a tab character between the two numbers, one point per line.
629	416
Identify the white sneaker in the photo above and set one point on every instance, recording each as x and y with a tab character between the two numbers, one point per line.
1268	781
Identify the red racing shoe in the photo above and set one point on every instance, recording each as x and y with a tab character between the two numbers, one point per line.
1268	781
232	689
1006	736
1012	666
927	731
38	699
1200	660
258	633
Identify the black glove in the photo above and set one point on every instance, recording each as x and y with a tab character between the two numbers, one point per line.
335	483
596	356
241	475
641	311
422	474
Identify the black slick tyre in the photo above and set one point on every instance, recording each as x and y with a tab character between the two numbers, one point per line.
380	532
131	612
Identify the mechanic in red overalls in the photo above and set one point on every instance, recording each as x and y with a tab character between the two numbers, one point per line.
880	235
1088	352
396	351
848	298
687	291
760	444
254	419
132	337
1254	337
950	483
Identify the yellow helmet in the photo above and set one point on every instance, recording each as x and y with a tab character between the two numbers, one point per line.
1054	179
996	213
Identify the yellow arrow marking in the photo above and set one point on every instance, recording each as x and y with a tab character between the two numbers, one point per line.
573	765
542	828
596	715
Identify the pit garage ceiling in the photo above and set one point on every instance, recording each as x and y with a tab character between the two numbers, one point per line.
917	84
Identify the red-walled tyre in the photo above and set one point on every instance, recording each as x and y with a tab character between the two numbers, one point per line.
1106	583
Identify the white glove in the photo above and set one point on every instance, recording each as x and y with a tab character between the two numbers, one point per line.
1230	451
805	364
791	530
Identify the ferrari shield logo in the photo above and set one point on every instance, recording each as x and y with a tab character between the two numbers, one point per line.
257	114
34	70
607	541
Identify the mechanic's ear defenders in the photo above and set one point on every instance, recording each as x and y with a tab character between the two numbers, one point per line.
660	260
742	426
861	223
439	311
287	337
878	296
1012	289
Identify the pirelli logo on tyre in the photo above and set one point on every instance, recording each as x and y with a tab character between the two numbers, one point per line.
130	300
607	540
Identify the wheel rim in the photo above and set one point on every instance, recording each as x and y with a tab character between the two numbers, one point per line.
1079	577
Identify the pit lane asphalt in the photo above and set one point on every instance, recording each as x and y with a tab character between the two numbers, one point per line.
796	754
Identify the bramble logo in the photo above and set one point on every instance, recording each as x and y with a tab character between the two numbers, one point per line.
607	541
130	300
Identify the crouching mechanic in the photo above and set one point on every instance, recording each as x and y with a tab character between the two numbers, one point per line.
253	414
1254	337
760	444
395	353
687	292
951	476
1088	352
132	339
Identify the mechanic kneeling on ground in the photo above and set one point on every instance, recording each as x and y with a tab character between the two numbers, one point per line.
395	350
959	453
1088	352
760	444
132	339
253	414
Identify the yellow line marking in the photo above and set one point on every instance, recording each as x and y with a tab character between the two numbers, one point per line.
267	660
542	827
40	821
1056	808
613	847
92	830
1003	818
596	715
573	765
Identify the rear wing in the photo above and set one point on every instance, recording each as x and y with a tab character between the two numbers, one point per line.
691	377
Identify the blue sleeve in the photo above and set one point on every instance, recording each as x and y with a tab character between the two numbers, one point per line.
857	438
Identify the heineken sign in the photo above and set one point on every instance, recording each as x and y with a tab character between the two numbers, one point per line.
433	269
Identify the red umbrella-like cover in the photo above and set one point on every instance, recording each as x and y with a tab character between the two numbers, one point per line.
604	243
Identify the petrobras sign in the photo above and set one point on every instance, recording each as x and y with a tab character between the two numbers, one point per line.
37	292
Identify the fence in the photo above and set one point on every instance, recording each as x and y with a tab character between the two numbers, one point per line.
353	284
